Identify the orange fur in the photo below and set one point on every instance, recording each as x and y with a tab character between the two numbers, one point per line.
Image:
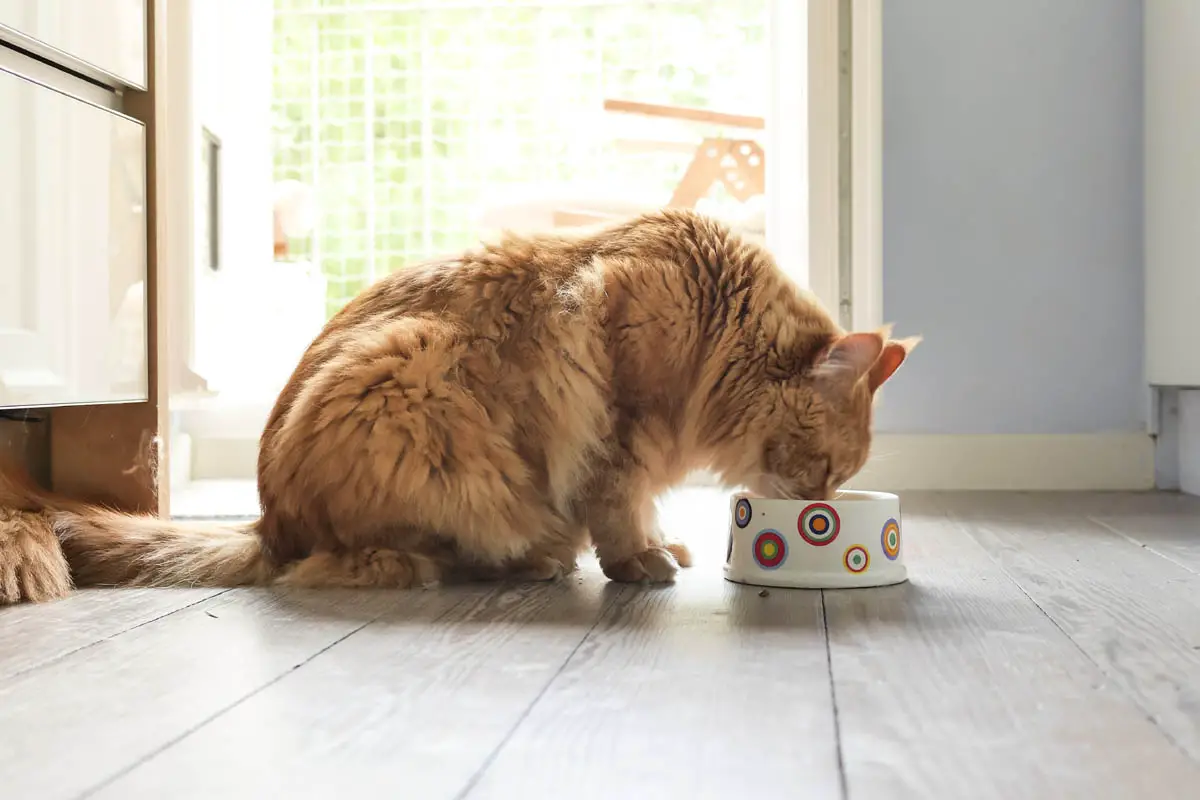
494	415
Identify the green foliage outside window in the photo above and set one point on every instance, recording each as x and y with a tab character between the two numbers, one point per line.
402	114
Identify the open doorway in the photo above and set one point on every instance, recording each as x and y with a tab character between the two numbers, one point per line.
336	142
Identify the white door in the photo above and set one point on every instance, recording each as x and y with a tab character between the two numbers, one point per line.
72	250
109	36
33	333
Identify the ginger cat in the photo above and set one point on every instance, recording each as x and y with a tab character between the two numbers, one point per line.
494	415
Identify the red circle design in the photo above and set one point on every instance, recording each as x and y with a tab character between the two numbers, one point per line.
762	542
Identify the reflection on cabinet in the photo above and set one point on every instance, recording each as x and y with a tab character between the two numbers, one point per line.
107	35
72	250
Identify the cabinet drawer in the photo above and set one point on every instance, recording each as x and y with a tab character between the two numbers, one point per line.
72	250
107	36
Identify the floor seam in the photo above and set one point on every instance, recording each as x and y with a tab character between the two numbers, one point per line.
67	654
227	708
1149	716
477	776
1141	544
837	723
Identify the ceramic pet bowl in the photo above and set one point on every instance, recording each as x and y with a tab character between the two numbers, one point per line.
854	540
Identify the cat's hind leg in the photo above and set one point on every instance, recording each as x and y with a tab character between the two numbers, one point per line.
538	565
552	554
425	562
382	568
368	568
390	434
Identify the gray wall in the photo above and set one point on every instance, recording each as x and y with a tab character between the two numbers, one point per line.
1012	196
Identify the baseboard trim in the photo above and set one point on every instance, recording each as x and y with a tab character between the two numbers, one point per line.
900	462
1010	462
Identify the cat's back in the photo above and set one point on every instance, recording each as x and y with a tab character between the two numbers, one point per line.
509	283
517	324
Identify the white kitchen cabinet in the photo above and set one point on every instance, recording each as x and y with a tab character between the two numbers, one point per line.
105	39
72	250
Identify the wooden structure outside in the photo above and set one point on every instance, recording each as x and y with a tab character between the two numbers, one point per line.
737	164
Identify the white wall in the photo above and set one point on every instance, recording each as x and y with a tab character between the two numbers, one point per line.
232	97
1012	175
254	317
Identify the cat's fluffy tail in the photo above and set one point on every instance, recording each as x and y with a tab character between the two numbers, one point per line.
107	548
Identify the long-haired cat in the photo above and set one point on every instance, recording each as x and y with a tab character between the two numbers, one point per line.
494	415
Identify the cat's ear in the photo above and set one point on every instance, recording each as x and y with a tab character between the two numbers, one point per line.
848	358
894	352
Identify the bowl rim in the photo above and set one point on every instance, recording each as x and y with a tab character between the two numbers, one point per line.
843	496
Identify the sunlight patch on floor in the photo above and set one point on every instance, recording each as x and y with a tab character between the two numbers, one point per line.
696	515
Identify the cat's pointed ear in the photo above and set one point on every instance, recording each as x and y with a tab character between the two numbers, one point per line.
894	352
848	358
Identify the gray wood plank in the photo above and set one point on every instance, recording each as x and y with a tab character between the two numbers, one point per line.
701	690
410	706
957	685
32	635
111	705
1166	524
1134	613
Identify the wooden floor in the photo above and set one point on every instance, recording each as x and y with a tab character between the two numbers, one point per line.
1046	646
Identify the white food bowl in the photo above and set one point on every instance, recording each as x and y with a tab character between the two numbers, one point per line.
852	541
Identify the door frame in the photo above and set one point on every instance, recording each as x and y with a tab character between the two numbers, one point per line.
118	454
835	114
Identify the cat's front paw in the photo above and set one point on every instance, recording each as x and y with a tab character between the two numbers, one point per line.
652	565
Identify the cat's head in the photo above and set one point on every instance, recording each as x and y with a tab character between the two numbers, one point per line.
819	422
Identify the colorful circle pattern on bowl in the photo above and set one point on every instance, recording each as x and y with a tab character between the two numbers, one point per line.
743	513
856	559
770	549
819	524
763	550
890	539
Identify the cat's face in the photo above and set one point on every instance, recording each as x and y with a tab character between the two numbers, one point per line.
820	435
